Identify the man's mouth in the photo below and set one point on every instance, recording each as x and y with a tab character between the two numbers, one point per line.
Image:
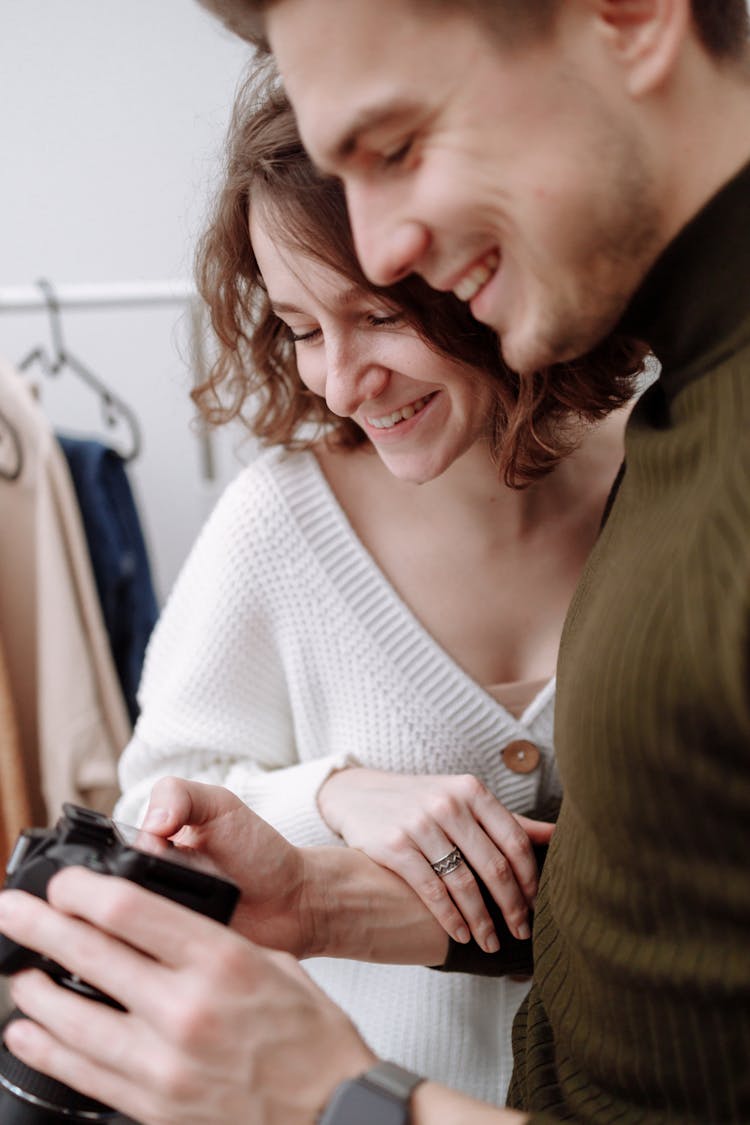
477	277
388	421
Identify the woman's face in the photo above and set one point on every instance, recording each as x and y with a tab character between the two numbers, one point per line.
420	409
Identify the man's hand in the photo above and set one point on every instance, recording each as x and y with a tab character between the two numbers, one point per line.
216	1029
269	871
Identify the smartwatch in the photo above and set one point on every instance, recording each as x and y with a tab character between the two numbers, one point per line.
380	1096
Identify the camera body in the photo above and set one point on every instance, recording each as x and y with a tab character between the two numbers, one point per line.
85	838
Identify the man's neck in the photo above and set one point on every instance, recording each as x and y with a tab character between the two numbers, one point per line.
704	135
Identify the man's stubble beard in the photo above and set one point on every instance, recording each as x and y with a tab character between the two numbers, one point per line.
622	239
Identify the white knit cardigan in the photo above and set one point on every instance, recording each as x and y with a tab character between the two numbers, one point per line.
283	653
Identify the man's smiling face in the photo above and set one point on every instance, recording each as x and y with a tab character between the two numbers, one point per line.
513	175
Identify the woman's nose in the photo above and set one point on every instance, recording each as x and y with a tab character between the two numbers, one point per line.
353	376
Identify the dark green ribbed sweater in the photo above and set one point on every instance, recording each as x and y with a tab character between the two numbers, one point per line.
640	1008
640	1011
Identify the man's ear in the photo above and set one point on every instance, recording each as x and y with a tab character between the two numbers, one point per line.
646	36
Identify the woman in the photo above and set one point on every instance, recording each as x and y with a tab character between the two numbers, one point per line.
361	660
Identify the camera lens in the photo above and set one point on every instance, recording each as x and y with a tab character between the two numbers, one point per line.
28	1097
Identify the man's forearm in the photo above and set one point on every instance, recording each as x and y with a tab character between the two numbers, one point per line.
437	1105
355	908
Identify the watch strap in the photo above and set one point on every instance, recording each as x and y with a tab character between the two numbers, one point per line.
387	1089
393	1079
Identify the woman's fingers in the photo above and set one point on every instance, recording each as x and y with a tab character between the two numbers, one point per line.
465	893
408	823
494	843
495	846
454	899
540	831
508	873
512	835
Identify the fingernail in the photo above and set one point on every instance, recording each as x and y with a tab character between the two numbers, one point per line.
155	818
523	931
6	906
462	935
492	943
19	1034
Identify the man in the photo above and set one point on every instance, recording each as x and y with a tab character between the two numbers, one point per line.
569	168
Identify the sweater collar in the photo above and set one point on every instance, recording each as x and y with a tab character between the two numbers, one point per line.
696	298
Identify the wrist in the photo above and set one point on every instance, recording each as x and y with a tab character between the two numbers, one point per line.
329	796
381	1095
432	1103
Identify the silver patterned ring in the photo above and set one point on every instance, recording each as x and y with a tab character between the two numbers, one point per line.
448	863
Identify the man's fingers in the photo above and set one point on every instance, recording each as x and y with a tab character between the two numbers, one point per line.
89	954
175	802
43	1051
103	1034
138	920
166	931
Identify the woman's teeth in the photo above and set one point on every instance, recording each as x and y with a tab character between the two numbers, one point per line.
402	415
472	282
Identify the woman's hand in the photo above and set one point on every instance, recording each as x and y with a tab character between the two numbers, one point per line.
408	822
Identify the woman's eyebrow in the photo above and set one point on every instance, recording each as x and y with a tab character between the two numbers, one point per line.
341	300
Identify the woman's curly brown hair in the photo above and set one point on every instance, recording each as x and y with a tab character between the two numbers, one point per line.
254	376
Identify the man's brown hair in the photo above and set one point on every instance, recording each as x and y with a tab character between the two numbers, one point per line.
723	26
254	376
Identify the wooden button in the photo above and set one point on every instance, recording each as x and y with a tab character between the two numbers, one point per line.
521	756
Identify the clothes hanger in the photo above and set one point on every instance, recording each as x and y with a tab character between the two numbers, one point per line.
114	409
9	433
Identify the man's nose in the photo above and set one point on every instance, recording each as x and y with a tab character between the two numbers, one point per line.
388	247
353	376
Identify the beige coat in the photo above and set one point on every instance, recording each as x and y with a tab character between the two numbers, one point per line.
15	791
71	715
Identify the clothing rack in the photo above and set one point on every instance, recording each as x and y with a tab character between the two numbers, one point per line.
124	294
30	298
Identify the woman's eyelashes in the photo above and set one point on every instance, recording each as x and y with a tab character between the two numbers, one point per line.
385	319
373	320
300	337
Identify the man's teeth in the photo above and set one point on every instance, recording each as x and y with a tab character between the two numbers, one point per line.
406	412
472	282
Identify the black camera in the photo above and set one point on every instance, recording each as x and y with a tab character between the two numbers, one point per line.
86	838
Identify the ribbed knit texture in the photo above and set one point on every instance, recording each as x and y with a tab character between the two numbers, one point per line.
640	1011
283	652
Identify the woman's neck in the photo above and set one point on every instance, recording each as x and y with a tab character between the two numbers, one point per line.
488	570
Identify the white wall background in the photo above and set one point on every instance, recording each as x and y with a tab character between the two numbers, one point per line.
112	117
